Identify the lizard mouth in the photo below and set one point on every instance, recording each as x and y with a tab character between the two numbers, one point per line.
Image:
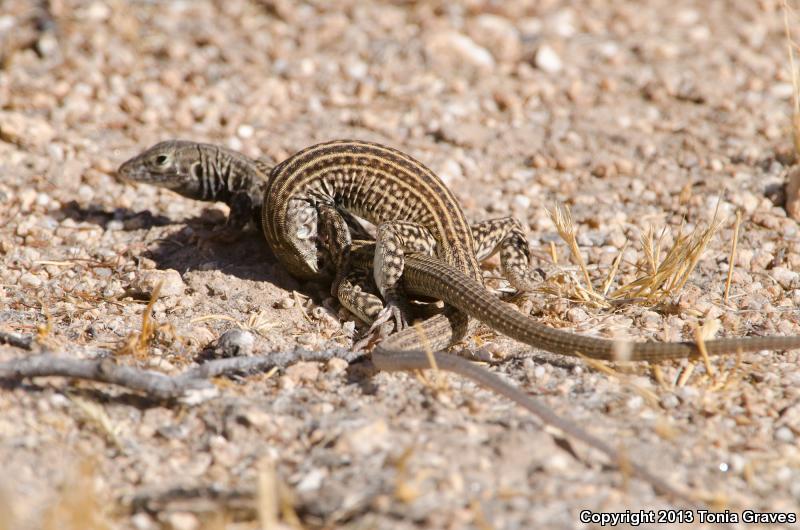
128	172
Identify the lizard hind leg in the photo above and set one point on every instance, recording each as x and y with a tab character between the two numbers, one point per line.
356	293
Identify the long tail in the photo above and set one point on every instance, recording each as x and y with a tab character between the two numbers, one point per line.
426	276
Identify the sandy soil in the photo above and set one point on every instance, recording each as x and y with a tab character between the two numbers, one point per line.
635	114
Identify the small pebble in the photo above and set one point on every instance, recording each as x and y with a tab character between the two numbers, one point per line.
30	281
669	401
170	280
784	434
788	279
498	35
25	130
303	371
577	314
182	521
245	131
547	60
285	303
455	48
235	343
143	521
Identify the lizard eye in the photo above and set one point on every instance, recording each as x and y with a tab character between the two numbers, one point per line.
197	170
161	160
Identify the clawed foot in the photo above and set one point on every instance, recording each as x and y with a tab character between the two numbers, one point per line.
392	312
391	318
374	336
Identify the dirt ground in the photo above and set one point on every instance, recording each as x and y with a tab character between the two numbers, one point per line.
634	114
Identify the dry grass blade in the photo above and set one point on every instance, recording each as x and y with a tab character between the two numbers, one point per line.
260	323
700	336
137	343
96	415
791	45
407	488
7	515
436	383
649	396
612	273
732	257
274	501
267	499
206	318
562	218
731	377
684	376
42	332
423	338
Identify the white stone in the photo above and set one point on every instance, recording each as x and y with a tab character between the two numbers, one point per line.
522	201
30	280
454	47
171	282
357	69
245	131
498	35
788	279
235	343
312	481
547	60
563	23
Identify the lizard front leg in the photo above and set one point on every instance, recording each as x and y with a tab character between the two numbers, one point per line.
337	229
394	240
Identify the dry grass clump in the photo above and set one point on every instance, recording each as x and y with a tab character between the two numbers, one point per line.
137	343
666	271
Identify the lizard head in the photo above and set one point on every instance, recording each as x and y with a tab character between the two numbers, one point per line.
174	164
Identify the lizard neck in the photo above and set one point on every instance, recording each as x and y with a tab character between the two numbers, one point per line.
223	171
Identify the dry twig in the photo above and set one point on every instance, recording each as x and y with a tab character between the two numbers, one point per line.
155	384
18	341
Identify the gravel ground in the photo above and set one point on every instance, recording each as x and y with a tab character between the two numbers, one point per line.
635	114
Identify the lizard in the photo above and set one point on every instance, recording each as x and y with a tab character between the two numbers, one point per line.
290	218
416	216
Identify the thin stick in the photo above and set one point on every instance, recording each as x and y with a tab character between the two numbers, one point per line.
156	384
